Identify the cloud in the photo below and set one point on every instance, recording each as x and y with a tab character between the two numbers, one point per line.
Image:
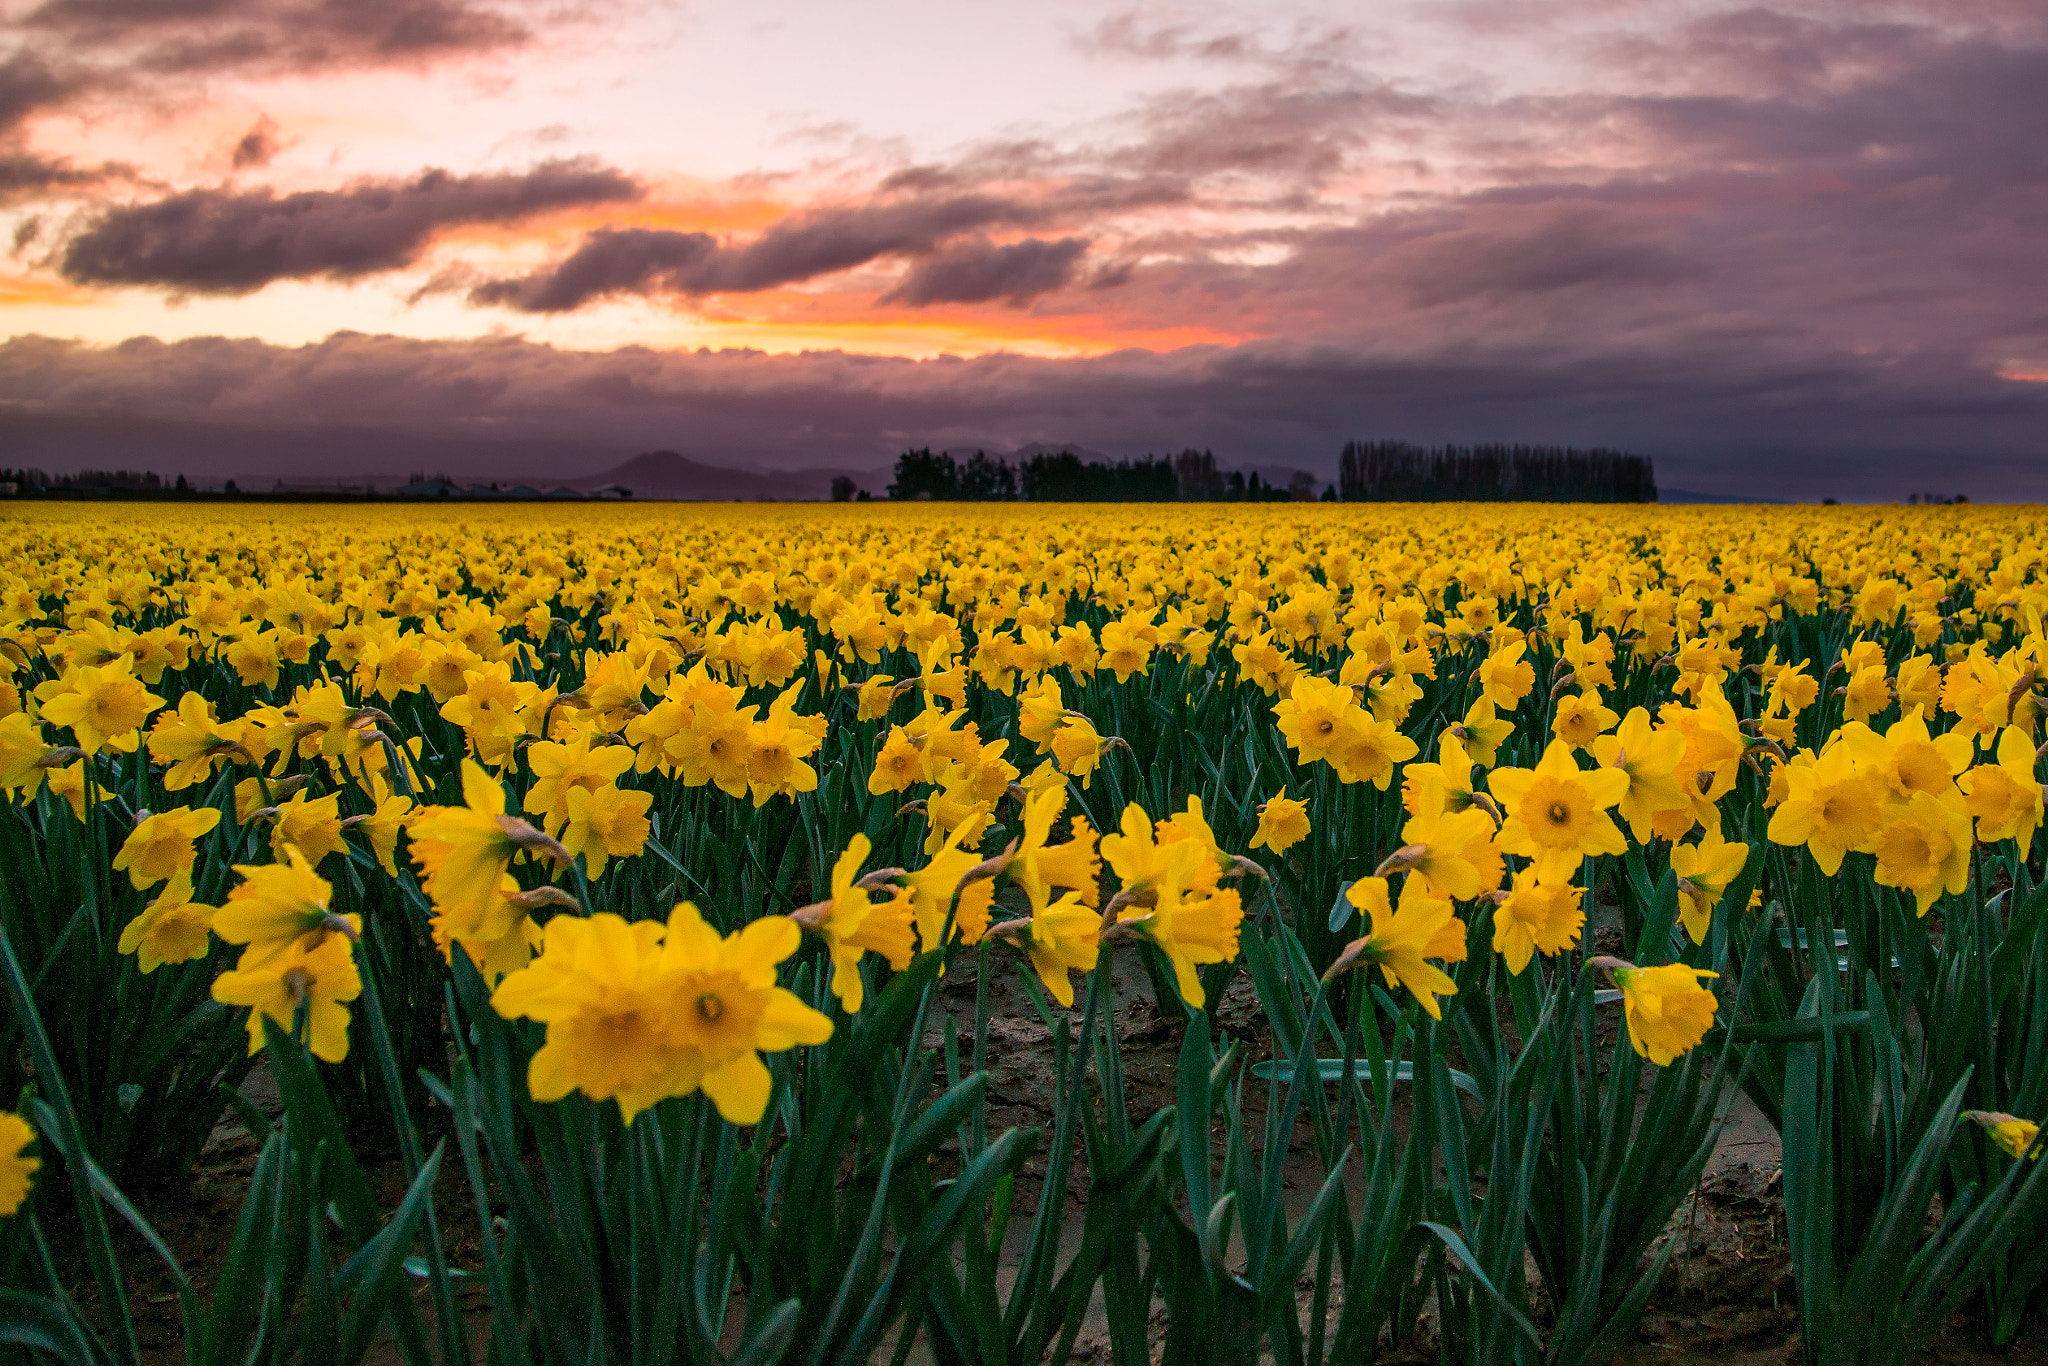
27	176
180	36
1565	247
975	272
804	246
78	53
609	261
835	239
256	147
1136	35
222	241
1131	35
28	85
1752	415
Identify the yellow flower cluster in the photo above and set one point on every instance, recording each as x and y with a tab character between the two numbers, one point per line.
1549	692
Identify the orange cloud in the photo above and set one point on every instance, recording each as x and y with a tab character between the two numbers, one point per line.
29	291
787	320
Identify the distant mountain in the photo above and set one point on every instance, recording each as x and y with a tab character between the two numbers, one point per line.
257	457
671	474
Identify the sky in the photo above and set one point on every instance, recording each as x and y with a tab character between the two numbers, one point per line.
1789	251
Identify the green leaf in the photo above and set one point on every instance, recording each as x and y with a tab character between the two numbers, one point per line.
2010	957
770	1340
1471	1267
1331	1070
40	1325
1803	1029
1341	909
369	1276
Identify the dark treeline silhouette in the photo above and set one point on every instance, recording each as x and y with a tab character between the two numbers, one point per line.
1394	471
1048	477
145	486
90	481
1064	477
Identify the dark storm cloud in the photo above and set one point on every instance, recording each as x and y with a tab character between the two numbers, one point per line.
26	176
175	36
609	261
974	272
612	261
29	84
1548	251
830	240
1971	112
255	147
80	55
224	241
1754	415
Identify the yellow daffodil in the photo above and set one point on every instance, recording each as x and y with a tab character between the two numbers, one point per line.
1704	871
1667	1009
275	903
1283	823
933	888
1452	852
637	1012
1368	748
1537	917
1077	748
1481	731
310	825
1924	848
898	764
728	1008
559	769
1063	936
104	707
1650	758
2005	797
315	969
1831	806
1403	938
1505	677
1557	812
382	828
1313	715
2011	1133
1580	719
462	851
1040	866
17	1167
604	824
192	742
171	929
499	935
162	845
1187	918
851	924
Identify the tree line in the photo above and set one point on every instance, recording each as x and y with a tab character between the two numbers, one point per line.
1369	471
1064	477
1395	471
